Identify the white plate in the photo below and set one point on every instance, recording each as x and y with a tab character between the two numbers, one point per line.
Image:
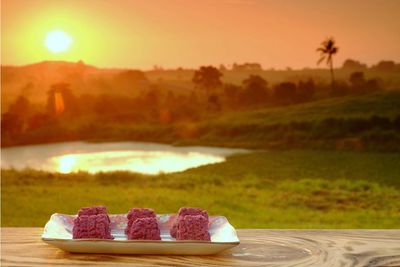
58	233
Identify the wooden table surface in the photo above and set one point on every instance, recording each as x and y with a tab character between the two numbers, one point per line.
24	247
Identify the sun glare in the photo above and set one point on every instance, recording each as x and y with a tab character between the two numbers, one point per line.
58	41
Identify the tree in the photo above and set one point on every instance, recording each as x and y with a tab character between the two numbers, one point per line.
131	80
222	68
247	67
231	93
350	64
208	78
213	104
151	98
38	120
327	50
385	65
341	89
255	90
132	76
357	80
20	107
373	85
306	90
360	85
285	92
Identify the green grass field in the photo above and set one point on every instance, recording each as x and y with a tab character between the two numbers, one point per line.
281	189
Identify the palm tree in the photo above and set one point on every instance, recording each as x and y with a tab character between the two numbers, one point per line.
328	49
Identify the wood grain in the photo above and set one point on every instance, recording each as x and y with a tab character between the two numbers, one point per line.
23	247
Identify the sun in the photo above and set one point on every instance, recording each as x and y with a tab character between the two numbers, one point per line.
57	41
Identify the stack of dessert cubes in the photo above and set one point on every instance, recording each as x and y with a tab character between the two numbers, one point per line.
142	224
92	222
191	224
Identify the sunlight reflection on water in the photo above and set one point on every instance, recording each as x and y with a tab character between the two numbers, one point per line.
147	158
148	162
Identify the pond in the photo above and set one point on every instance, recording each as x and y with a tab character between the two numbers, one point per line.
146	158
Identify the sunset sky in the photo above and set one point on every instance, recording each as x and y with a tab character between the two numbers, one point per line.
140	34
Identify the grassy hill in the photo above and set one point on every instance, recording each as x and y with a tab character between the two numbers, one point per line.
368	118
362	106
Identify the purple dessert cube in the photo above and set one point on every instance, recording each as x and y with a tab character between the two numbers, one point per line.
144	228
184	212
92	210
92	226
193	227
136	213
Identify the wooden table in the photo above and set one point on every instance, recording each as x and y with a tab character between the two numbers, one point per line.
23	247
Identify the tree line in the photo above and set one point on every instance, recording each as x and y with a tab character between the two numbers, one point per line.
157	105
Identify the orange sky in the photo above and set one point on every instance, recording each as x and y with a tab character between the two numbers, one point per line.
173	33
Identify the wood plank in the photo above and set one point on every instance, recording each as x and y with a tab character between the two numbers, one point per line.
23	247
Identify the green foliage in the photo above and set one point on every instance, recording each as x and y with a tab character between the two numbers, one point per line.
366	122
382	104
286	189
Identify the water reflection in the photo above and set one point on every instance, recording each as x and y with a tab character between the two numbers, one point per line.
147	158
153	162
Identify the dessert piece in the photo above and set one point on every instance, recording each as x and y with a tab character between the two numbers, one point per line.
136	213
92	226
187	211
192	227
144	228
95	210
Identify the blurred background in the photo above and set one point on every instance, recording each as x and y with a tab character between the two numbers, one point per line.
275	114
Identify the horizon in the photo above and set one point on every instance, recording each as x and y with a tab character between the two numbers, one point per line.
276	35
228	66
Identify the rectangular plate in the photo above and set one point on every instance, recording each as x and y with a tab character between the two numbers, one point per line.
58	233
